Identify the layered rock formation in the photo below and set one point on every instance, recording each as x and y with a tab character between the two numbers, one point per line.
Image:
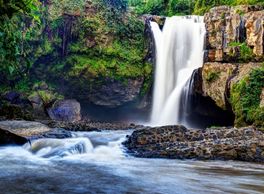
234	61
234	31
244	144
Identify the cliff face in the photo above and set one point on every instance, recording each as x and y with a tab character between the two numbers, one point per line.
235	34
233	75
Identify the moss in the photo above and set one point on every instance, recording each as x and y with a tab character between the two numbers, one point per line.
245	99
212	76
245	52
222	16
240	12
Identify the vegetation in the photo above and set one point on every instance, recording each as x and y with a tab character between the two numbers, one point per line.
162	7
245	99
202	6
69	41
19	25
246	53
183	7
212	76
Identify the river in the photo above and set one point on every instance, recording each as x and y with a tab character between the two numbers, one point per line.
96	162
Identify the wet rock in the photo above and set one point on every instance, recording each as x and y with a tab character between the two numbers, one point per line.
214	143
113	93
20	132
7	137
65	110
57	133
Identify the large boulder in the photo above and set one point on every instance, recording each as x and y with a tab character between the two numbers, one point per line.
65	110
20	132
244	144
24	128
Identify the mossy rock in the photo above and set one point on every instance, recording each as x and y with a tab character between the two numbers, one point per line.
245	98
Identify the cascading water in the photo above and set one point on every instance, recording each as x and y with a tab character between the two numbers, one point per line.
179	50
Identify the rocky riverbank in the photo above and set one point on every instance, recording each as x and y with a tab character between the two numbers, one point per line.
178	142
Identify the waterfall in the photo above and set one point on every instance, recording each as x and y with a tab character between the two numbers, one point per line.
179	50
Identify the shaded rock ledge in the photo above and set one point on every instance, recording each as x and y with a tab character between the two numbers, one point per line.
178	142
20	132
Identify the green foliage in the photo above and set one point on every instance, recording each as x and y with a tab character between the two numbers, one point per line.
59	7
246	53
180	7
8	8
202	6
69	42
245	99
120	5
162	7
212	76
18	23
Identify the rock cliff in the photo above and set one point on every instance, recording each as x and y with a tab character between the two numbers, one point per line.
233	71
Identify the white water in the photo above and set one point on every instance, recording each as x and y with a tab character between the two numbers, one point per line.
95	162
179	50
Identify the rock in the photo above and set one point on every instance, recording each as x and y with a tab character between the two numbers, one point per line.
215	143
57	133
24	129
160	20
215	78
7	137
255	30
261	105
65	110
20	132
12	96
113	93
84	125
241	25
38	105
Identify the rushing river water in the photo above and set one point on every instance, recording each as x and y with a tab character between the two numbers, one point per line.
95	162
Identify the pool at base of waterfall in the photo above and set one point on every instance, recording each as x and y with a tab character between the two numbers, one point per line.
96	162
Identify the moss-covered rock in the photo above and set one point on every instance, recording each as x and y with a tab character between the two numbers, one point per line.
246	98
